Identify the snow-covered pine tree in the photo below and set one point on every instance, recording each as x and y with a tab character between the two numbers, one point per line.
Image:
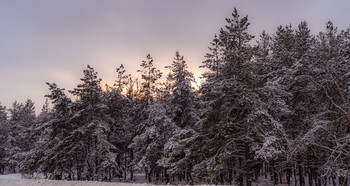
136	115
12	148
141	113
283	47
213	60
45	112
237	125
183	97
20	125
213	64
3	137
30	163
290	60
303	102
149	76
118	109
147	93
164	91
58	148
329	131
236	52
263	55
3	113
149	145
184	112
93	125
268	81
27	121
122	78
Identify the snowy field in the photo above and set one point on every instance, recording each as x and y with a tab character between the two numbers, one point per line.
43	182
18	180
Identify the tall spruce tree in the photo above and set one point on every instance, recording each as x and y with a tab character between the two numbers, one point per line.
149	145
58	148
237	128
291	59
118	109
328	133
184	113
20	127
30	164
183	97
93	125
142	118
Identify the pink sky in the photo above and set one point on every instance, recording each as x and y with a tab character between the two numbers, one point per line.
53	41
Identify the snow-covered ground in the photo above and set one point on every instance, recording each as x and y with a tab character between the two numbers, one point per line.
11	176
18	180
44	182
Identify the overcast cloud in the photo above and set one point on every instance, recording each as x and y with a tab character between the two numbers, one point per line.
53	41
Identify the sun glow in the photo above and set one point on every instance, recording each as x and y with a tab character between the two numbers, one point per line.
196	85
105	85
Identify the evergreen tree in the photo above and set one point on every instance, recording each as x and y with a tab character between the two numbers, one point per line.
123	78
283	47
291	55
118	108
213	60
328	134
141	115
93	125
183	97
149	145
183	101
20	127
150	75
58	148
279	108
30	163
238	125
3	137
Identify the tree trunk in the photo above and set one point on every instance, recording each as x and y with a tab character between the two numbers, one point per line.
265	169
274	173
78	171
131	167
125	165
167	180
288	175
310	177
301	175
222	178
230	176
247	164
280	174
149	177
295	174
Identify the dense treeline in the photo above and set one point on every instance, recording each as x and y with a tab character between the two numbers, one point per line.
277	109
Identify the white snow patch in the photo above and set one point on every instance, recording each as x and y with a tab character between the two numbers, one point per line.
11	177
18	180
44	182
